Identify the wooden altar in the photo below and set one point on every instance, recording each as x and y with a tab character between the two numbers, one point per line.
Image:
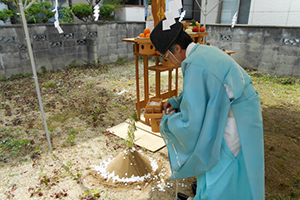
142	47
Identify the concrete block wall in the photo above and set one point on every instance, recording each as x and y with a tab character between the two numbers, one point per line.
81	42
270	49
275	50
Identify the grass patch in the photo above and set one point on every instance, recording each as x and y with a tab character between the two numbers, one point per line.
83	100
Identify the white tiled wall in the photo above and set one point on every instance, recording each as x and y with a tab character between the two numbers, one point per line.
275	12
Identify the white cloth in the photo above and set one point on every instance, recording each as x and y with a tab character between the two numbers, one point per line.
189	49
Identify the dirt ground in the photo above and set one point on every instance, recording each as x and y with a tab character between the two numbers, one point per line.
82	102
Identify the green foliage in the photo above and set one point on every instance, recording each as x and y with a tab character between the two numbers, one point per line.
106	10
49	84
288	81
67	15
130	133
15	145
73	64
17	76
83	11
135	117
6	14
194	22
70	140
90	194
39	13
10	140
113	2
44	69
149	2
122	60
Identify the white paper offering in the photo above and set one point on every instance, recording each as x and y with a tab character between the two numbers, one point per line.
154	103
173	12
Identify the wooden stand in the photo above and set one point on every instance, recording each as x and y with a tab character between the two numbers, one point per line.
147	52
198	37
144	48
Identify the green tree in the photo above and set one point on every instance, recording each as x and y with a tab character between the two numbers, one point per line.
11	5
39	13
34	12
66	15
6	14
113	2
83	11
106	10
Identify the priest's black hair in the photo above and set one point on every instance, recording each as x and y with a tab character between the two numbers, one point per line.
183	40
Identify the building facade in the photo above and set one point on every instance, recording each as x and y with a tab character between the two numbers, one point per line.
251	12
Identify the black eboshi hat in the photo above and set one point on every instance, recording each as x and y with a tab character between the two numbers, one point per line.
163	39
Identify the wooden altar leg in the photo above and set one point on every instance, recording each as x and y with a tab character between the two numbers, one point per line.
138	105
157	84
157	79
176	82
146	83
170	83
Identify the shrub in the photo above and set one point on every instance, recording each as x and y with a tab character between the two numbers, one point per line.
6	14
106	10
36	13
113	2
65	15
39	13
83	11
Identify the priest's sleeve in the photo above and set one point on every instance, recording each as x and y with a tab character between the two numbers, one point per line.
194	135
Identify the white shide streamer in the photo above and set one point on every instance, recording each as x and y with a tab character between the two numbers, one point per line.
182	16
96	12
56	22
173	13
234	19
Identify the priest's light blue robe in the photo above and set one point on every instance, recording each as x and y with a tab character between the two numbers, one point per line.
194	135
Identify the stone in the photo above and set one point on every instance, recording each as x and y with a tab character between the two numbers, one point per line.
266	67
289	50
254	47
239	38
11	57
255	39
268	56
37	46
271	40
113	58
10	72
122	51
289	60
69	43
284	69
2	73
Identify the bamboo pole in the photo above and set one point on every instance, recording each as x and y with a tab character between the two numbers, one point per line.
29	50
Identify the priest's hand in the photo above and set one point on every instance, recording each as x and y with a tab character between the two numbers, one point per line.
167	107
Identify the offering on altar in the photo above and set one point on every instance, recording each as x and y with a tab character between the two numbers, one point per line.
153	110
145	46
154	106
